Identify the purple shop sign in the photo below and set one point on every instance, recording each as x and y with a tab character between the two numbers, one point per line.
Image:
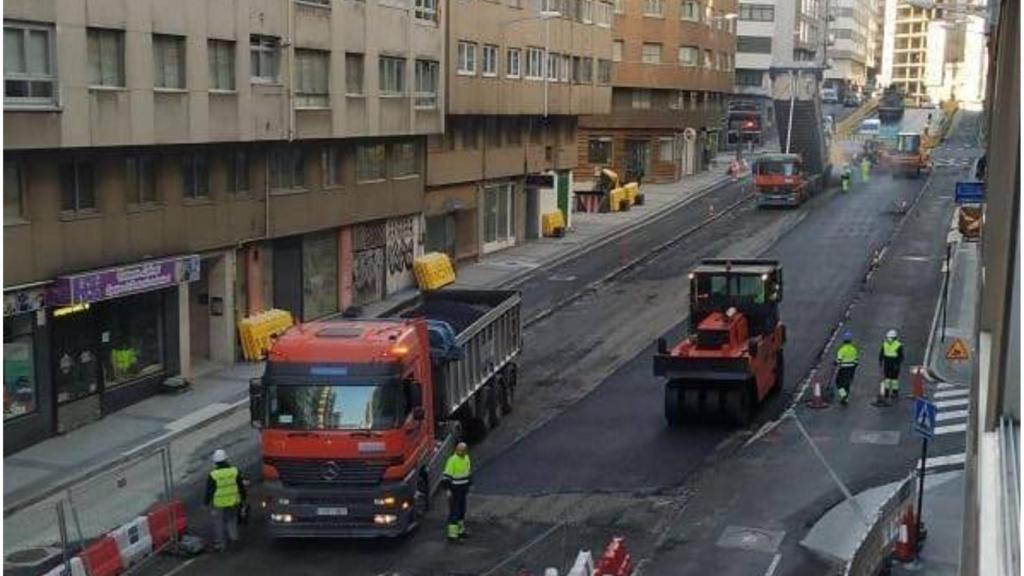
123	280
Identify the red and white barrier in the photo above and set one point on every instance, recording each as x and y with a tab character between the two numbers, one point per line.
77	568
133	541
616	560
102	558
165	519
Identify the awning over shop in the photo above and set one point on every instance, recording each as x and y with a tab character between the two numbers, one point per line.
119	281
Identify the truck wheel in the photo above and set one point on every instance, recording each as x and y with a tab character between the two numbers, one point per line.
780	372
691	402
738	404
673	406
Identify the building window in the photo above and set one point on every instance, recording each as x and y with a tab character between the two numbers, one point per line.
402	159
353	74
497	217
565	69
620	6
238	172
221	54
490	60
140	179
757	12
512	69
603	14
641	99
77	186
553	61
19	366
106	57
311	79
331	166
426	84
319	274
263	56
29	76
754	44
688	55
616	50
426	10
14	190
287	168
675	100
599	150
588	11
370	162
666	154
467	58
749	77
690	11
651	54
604	72
653	8
392	76
534	63
708	62
587	69
168	61
195	175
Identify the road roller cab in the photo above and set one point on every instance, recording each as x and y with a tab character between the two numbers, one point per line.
732	357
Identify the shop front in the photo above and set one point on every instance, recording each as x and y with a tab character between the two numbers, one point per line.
114	336
27	415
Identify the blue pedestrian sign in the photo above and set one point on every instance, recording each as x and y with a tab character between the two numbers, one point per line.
924	418
970	192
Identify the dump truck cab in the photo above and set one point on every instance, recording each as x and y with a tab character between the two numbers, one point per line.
779	180
732	357
905	156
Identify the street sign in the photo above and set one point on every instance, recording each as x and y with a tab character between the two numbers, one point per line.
970	192
924	418
957	350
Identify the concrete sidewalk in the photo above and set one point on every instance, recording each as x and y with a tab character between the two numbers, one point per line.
219	390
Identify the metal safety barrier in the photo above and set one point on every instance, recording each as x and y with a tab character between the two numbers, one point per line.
874	552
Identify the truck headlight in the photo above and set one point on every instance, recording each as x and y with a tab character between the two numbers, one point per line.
283	518
384	518
284	501
385	501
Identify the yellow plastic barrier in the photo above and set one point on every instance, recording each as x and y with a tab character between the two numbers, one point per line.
433	270
256	331
632	191
618	200
552	224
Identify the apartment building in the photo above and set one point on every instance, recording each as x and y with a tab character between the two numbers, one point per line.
171	167
520	75
905	49
672	71
956	64
851	49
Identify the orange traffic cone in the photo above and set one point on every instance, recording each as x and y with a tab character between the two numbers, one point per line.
817	401
905	548
917	379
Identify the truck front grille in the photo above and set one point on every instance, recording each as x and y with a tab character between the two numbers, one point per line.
306	471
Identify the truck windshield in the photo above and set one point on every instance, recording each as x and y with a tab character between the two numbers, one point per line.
370	406
720	287
777	169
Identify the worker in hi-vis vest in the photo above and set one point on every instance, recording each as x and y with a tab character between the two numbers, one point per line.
458	476
225	493
890	358
847	358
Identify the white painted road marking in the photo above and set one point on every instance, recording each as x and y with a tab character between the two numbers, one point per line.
950	386
943	461
951	393
951	429
951	403
952	415
774	565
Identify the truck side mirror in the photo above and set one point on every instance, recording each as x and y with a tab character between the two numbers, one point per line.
257	406
662	346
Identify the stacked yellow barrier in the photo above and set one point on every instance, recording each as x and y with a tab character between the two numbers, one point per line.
433	270
552	224
616	198
256	332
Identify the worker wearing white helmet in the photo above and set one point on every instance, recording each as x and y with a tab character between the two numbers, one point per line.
225	494
890	359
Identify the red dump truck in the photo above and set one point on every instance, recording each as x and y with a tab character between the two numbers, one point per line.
357	416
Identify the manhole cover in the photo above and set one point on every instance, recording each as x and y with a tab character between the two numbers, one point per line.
751	538
31	556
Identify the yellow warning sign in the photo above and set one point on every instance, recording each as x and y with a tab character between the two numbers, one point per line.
957	350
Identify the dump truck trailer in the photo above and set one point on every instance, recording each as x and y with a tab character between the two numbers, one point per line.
798	116
357	416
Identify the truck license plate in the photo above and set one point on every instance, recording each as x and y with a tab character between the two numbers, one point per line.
332	511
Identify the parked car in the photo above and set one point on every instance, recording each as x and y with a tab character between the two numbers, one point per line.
852	100
870	127
829	96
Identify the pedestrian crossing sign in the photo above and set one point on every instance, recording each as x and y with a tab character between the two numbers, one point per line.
924	417
957	350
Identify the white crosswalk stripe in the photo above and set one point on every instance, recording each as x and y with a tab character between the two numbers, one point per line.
942	404
942	394
947	461
951	415
951	429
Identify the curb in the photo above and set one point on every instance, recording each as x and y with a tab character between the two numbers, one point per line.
521	277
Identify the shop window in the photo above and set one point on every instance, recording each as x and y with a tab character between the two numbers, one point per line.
319	275
20	387
599	150
131	338
497	216
75	345
665	152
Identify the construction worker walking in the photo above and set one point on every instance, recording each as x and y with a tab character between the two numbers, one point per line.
865	170
225	493
847	358
458	477
890	359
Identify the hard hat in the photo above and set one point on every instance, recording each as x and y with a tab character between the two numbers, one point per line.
461	448
847	335
891	334
219	455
